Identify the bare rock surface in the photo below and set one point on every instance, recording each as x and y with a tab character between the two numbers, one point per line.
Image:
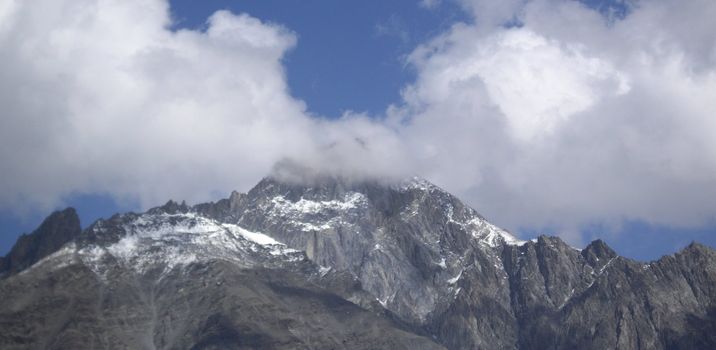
338	264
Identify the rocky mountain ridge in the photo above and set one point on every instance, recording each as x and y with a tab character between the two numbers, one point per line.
341	264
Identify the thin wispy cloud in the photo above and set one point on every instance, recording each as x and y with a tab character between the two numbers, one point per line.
429	4
394	27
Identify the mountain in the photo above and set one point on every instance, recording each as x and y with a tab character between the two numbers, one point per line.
337	264
54	232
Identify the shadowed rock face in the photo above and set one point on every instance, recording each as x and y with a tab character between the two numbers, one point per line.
59	228
340	264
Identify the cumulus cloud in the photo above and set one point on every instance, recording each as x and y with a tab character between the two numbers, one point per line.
103	97
543	113
100	96
559	115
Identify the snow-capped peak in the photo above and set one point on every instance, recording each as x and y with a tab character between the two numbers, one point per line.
162	240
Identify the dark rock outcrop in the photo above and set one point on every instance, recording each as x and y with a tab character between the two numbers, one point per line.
57	229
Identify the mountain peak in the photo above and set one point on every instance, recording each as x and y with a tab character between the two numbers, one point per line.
598	250
338	183
170	207
56	230
333	247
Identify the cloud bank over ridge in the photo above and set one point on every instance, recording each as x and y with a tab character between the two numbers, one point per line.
564	116
571	116
101	96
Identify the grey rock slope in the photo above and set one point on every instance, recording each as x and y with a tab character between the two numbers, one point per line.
340	264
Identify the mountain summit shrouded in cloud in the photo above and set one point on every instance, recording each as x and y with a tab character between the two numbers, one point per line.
542	113
340	265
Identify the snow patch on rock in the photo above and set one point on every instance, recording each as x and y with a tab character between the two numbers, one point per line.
166	241
304	206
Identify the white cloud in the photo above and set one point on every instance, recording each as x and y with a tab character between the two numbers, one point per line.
535	82
99	96
571	117
563	118
102	97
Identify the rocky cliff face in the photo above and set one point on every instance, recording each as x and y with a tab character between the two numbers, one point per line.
54	232
339	264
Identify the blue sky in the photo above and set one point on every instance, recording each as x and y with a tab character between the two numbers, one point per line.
350	55
358	58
